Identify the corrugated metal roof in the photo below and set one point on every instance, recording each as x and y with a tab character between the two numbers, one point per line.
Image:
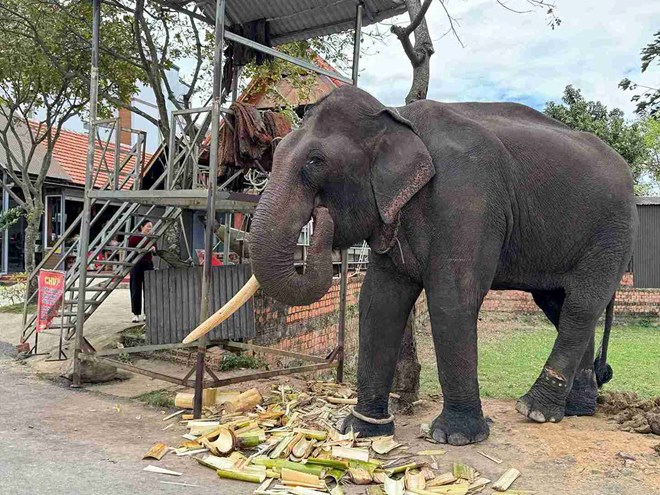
648	200
294	20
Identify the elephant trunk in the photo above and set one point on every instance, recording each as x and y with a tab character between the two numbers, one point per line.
273	239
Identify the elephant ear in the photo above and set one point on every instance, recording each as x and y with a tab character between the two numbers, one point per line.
402	165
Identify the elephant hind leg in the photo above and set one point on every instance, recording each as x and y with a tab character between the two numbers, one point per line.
571	358
550	302
581	400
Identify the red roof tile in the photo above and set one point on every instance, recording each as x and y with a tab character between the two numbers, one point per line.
70	152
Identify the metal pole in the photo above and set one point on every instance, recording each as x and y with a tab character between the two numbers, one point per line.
117	160
87	205
341	332
210	206
356	43
342	315
227	240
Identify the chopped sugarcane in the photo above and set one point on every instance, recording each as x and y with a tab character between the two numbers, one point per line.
460	489
414	479
332	463
403	468
478	483
394	486
313	434
351	453
360	476
384	445
442	479
156	452
297	478
432	452
465	472
506	480
238	475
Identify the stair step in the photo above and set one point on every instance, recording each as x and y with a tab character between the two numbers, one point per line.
93	288
141	234
87	303
104	275
122	248
115	263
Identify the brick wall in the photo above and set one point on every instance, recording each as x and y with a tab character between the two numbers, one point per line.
313	329
306	329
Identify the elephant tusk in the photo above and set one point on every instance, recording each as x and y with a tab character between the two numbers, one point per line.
233	305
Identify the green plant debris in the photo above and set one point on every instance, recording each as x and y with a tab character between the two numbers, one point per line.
158	398
240	361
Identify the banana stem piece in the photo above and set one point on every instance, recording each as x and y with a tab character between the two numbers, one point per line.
233	305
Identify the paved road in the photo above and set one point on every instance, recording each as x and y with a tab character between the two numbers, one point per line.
54	440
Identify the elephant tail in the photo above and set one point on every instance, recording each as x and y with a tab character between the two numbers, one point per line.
603	370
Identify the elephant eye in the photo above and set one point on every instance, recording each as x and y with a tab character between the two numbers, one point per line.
314	160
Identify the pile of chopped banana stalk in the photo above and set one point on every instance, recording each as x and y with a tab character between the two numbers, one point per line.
288	444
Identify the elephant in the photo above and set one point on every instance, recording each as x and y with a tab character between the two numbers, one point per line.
454	199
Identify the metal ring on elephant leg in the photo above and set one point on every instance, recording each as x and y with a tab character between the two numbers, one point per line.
372	421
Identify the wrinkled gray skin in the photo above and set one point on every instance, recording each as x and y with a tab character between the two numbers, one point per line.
454	199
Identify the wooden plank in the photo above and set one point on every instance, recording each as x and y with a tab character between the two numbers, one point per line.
157	288
175	333
249	329
180	293
216	302
236	286
143	348
148	307
240	316
165	284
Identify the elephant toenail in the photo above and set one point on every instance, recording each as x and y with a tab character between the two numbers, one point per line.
439	436
537	416
458	439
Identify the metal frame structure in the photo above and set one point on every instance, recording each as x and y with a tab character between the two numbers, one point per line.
183	157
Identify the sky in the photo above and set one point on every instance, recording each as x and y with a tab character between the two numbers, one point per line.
518	57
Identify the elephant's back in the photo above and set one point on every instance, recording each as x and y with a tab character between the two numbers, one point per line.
565	190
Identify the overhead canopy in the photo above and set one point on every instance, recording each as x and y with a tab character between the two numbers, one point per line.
294	20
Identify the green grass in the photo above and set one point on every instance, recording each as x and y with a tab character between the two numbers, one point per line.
158	398
240	361
18	308
511	359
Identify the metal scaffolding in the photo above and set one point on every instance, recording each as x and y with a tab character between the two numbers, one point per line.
166	204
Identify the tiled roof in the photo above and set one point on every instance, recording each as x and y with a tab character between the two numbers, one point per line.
71	153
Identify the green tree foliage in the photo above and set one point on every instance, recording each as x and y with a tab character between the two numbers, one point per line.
630	139
648	101
44	82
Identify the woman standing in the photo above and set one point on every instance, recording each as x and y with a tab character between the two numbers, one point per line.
137	272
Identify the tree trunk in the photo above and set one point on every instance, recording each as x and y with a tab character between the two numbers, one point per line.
406	377
423	50
33	220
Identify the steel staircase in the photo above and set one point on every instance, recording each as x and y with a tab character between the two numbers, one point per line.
108	261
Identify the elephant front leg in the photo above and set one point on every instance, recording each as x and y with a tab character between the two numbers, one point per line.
454	323
386	300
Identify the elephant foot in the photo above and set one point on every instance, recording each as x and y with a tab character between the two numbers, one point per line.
366	429
459	428
581	400
546	400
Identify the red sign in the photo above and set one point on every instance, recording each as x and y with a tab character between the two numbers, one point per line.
216	260
51	290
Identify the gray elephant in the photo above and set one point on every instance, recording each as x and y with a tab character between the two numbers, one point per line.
454	199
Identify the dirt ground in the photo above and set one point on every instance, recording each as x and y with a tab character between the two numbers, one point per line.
584	456
587	456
